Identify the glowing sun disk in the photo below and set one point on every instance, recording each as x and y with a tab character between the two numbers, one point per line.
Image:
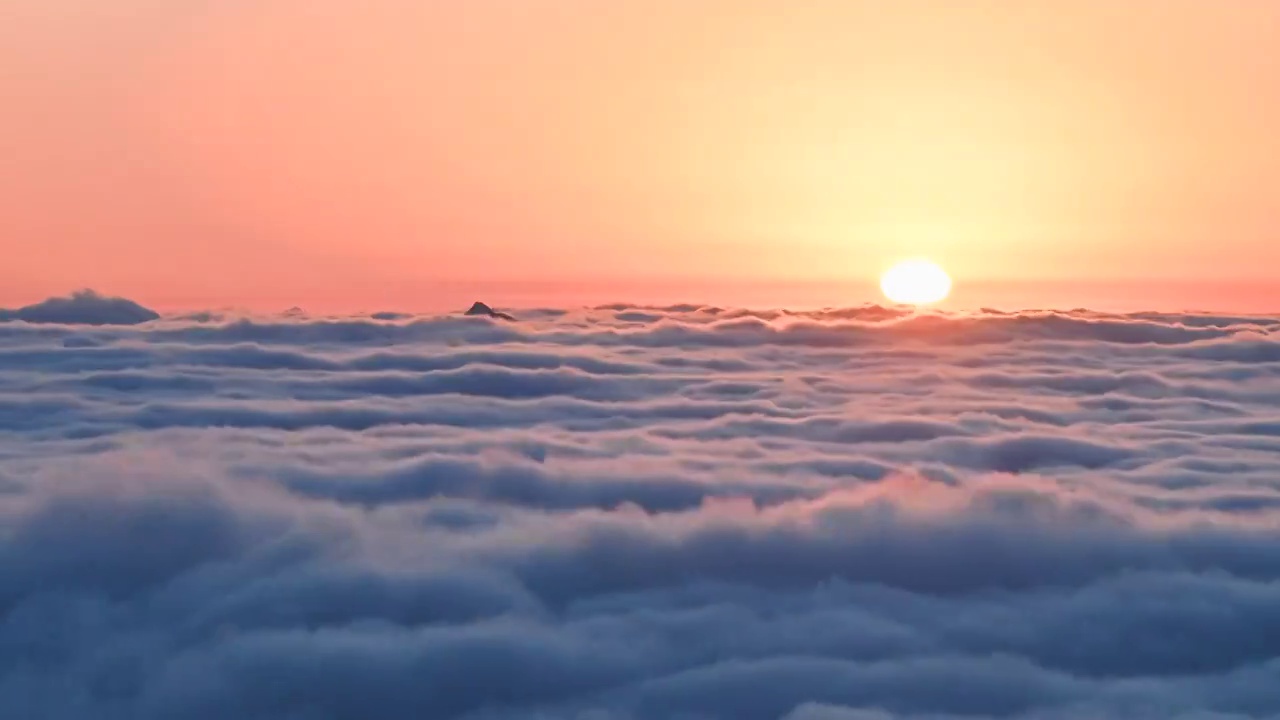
916	282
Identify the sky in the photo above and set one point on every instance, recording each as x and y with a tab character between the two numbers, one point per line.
398	154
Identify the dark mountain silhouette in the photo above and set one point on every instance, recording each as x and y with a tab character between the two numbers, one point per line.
481	310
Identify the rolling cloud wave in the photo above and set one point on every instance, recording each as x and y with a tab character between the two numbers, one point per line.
626	513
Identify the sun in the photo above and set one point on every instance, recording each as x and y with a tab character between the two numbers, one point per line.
916	282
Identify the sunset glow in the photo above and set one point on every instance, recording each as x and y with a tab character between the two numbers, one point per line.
639	359
408	153
916	282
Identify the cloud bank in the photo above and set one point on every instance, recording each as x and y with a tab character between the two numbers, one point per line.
84	307
635	513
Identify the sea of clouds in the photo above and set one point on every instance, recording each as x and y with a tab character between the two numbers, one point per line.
637	513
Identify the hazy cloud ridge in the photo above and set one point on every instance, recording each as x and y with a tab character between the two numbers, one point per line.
635	513
84	307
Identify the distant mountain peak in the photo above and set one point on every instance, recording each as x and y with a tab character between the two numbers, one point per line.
83	307
481	310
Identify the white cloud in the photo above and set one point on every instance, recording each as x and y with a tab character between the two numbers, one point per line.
634	513
84	307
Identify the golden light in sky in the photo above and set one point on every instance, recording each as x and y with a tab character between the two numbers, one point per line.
916	282
591	150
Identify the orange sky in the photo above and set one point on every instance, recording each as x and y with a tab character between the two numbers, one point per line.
345	154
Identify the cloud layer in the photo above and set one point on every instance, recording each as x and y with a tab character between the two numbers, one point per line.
634	513
84	307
